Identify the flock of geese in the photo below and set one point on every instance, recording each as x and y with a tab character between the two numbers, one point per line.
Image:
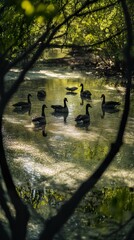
80	119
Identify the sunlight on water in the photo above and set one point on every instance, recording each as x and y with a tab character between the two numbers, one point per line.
125	177
74	132
13	120
67	153
32	74
60	75
37	163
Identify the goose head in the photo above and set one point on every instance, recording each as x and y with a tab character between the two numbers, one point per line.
102	96
88	105
65	100
44	106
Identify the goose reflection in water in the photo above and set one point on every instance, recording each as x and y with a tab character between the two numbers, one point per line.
86	100
42	128
71	93
44	133
110	111
71	90
83	126
59	115
23	110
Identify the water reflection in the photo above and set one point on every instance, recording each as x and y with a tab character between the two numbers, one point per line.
83	125
61	115
41	127
23	110
110	111
71	93
100	211
83	100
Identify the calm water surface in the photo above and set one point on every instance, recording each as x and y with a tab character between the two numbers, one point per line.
66	154
62	155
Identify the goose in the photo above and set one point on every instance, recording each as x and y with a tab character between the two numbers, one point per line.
71	89
41	94
23	105
109	104
84	93
59	108
42	119
84	118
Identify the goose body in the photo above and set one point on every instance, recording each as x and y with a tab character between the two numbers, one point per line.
109	104
60	108
41	94
42	119
85	118
84	93
71	89
23	105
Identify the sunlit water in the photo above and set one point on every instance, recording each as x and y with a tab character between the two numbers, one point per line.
66	154
62	155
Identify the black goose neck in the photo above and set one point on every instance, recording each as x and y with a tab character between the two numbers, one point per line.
82	88
87	112
103	100
43	111
29	98
65	105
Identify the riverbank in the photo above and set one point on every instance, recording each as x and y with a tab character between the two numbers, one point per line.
83	64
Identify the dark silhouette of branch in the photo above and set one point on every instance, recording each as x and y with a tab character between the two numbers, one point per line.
5	207
90	46
130	235
120	229
19	224
42	43
98	9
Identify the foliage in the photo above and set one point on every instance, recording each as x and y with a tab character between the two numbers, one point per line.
107	207
91	28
